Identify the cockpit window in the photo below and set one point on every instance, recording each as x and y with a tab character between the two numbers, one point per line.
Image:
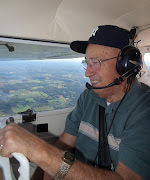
39	77
147	60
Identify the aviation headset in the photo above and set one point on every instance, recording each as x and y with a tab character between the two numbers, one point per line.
129	58
129	61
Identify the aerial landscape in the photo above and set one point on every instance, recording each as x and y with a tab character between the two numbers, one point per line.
39	85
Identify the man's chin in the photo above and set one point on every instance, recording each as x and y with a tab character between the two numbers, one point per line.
97	90
98	85
101	92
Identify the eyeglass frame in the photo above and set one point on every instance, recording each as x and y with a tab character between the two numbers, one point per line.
100	61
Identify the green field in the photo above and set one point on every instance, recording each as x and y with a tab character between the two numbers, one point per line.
44	90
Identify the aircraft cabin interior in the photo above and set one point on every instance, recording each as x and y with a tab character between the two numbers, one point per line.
41	78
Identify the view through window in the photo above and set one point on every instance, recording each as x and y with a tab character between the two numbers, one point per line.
41	78
147	60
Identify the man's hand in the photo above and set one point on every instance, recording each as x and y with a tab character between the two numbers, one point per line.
13	138
16	139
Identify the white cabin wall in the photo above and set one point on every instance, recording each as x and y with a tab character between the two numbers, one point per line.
55	119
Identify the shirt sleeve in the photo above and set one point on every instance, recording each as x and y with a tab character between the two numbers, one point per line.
74	118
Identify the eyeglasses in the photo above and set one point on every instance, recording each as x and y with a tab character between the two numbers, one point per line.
95	64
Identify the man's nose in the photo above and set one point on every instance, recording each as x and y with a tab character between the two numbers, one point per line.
89	71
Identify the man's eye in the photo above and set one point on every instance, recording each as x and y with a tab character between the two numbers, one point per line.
95	62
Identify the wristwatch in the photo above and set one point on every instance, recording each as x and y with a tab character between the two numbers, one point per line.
67	160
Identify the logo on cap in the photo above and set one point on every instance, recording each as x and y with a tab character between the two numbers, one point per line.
94	32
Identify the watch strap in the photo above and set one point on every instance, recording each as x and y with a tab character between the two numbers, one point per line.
62	171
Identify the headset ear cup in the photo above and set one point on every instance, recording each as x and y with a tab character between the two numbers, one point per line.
127	59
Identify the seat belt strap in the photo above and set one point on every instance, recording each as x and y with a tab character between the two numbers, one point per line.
104	159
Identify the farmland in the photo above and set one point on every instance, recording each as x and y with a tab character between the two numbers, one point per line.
39	85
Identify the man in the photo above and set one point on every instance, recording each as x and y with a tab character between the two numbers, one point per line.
127	112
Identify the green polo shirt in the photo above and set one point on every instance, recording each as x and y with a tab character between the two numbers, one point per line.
129	137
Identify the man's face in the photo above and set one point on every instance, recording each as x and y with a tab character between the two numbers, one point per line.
107	72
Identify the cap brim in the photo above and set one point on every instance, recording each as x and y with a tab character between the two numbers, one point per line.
79	46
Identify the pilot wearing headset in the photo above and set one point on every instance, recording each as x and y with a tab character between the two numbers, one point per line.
107	135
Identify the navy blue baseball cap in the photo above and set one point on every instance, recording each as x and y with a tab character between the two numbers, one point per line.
106	35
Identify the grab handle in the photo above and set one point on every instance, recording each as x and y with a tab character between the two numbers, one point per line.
24	168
